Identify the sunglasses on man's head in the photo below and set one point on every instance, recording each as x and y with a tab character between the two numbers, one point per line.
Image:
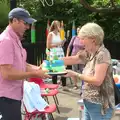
25	23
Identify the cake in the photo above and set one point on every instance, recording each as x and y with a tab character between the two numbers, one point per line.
53	66
52	63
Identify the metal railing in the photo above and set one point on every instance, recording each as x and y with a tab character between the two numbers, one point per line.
35	52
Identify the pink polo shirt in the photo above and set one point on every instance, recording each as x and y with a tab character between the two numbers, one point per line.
12	52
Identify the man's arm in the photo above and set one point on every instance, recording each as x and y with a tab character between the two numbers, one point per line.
30	67
8	72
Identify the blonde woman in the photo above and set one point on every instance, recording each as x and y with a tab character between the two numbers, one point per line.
98	90
54	41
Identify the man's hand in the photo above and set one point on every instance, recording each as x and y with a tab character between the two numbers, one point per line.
42	74
40	67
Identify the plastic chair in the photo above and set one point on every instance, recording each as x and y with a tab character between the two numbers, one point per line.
40	82
52	92
48	110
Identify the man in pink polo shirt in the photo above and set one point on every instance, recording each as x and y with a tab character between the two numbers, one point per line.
13	66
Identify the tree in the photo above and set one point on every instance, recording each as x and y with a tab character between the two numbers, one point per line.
106	13
109	6
4	10
61	10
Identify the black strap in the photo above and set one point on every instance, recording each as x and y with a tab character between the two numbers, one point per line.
73	40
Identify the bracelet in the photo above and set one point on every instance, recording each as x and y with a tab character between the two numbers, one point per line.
78	75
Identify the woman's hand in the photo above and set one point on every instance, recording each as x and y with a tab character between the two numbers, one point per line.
70	73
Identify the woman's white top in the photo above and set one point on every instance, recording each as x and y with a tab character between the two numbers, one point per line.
56	40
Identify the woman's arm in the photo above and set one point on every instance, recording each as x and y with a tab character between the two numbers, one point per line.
80	58
63	42
68	48
49	40
103	61
97	79
71	60
99	76
68	51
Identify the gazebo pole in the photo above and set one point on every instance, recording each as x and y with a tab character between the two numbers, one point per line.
13	4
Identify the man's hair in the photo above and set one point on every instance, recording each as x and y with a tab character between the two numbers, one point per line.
10	20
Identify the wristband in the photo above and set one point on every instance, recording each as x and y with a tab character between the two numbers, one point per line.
78	75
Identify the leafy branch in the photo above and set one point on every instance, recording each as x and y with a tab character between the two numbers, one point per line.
111	9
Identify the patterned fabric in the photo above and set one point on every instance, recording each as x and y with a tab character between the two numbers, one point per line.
103	94
59	52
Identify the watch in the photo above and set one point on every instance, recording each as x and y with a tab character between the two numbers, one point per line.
78	75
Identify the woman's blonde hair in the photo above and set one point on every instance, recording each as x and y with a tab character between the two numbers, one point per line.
92	30
54	25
